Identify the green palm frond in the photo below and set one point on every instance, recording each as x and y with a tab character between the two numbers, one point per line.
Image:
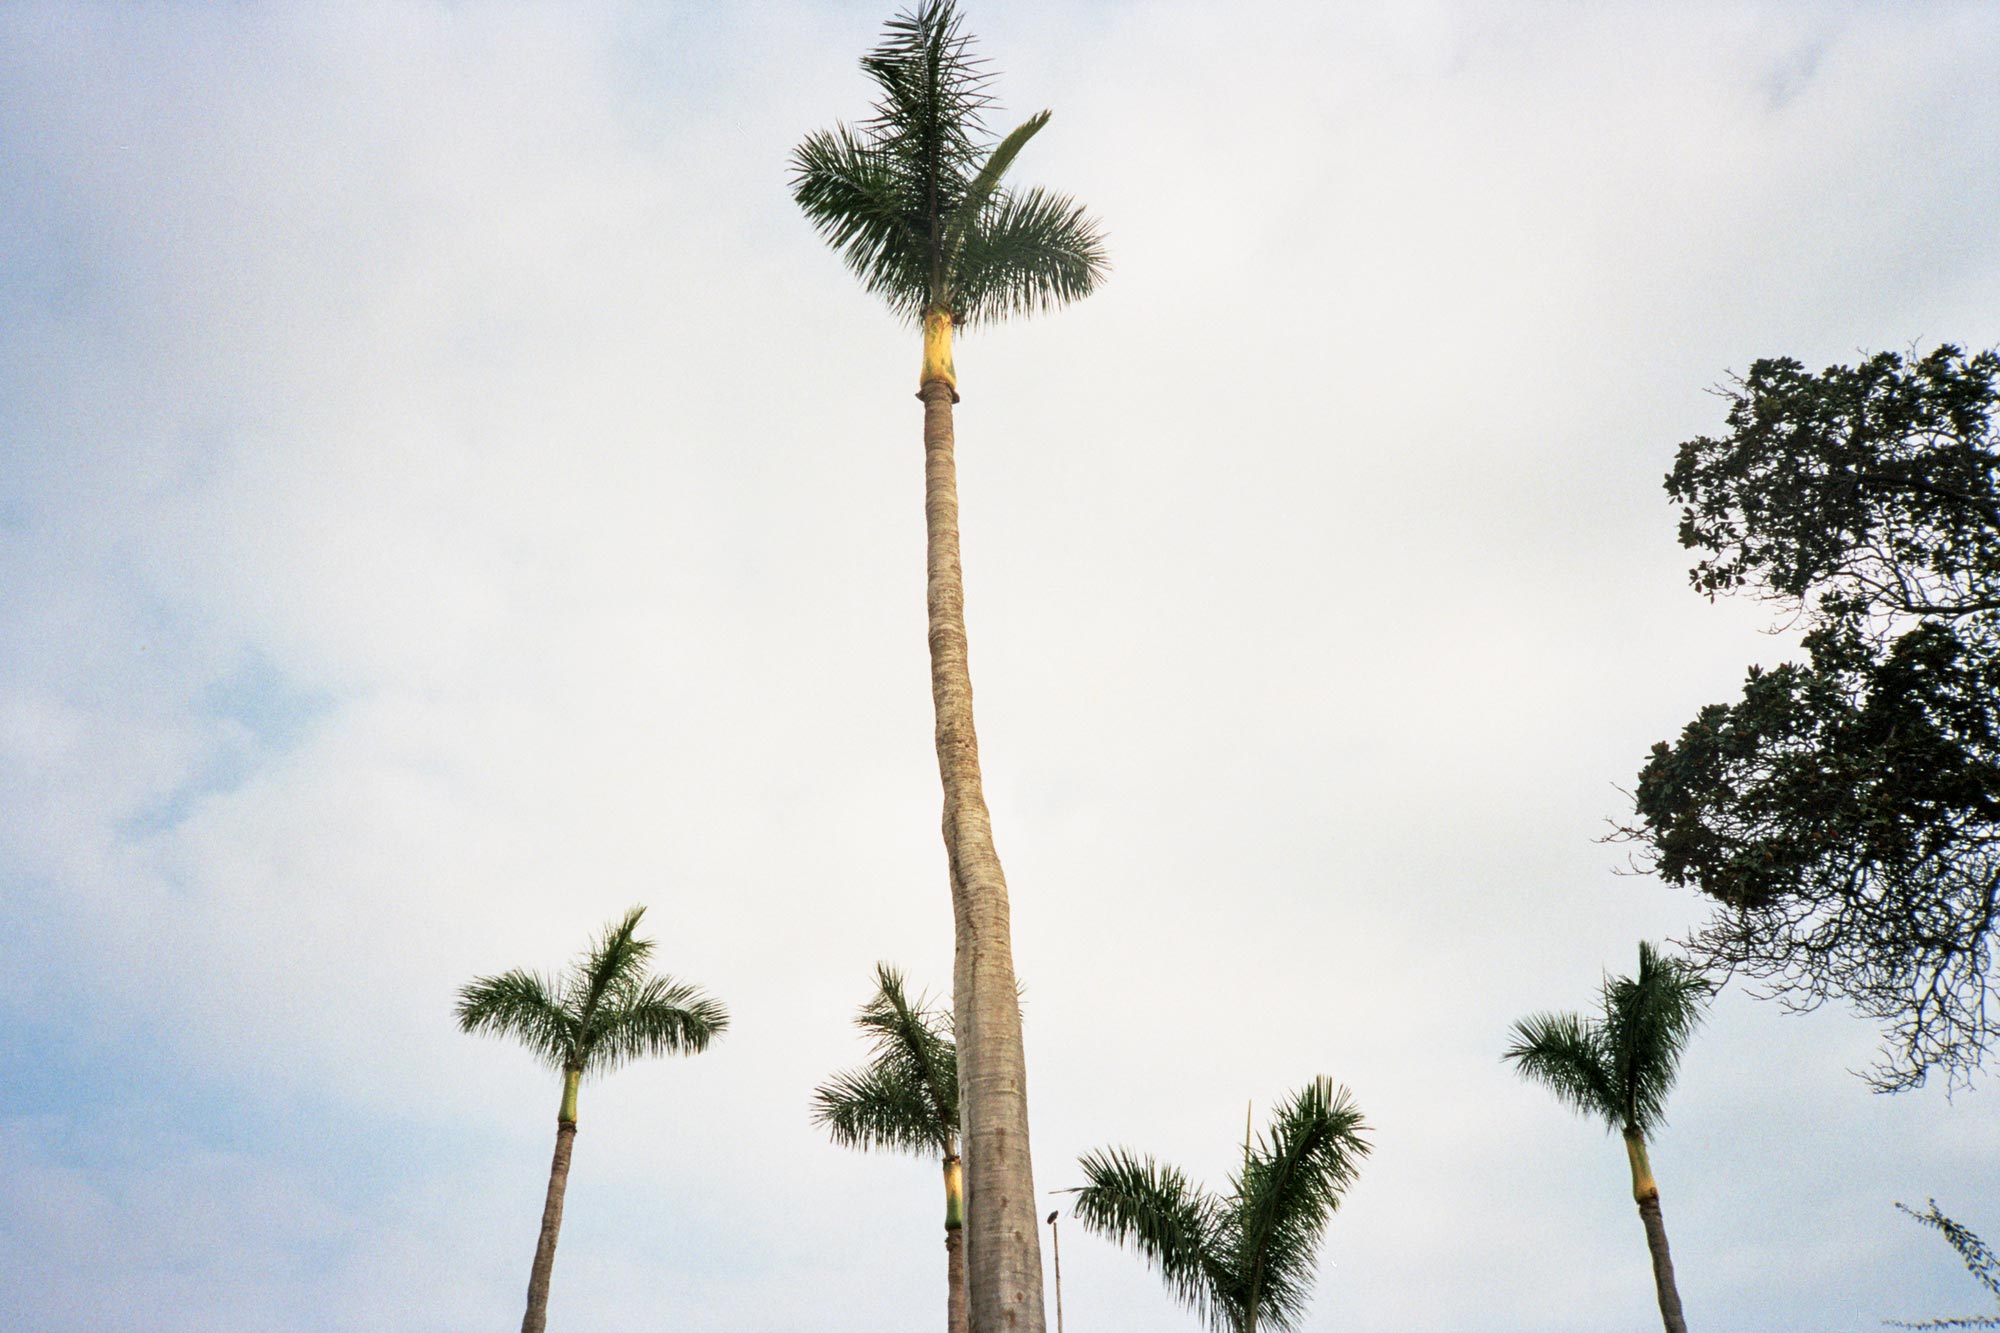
850	193
1621	1067
1175	1224
603	1012
906	1097
1245	1260
879	1107
1290	1185
1648	1019
654	1017
912	197
1032	253
1565	1055
521	1005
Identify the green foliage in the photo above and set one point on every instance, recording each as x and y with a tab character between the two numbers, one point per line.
1621	1066
906	1098
601	1013
1979	1260
1245	1259
1845	812
912	198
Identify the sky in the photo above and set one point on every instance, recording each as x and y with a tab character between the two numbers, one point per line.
448	496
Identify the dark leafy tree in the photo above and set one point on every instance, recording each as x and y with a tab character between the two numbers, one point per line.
914	201
1979	1260
1619	1068
1244	1260
603	1012
905	1099
1844	813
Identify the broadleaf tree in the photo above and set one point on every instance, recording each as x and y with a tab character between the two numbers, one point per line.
916	202
1844	812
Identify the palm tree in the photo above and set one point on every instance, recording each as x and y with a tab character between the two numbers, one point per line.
1246	1259
905	1099
601	1013
1620	1068
912	199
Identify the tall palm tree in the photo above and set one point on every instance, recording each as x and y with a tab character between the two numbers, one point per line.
905	1099
1246	1259
1619	1068
604	1011
912	199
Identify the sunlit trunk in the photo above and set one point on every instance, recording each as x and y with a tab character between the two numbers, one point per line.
1002	1239
1646	1192
537	1317
957	1316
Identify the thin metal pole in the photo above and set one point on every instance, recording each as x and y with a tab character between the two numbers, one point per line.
1055	1242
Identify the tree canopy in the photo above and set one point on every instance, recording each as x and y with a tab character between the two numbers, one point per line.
1845	811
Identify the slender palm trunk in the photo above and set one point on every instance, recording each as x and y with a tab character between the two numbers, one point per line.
1002	1235
537	1318
957	1316
1646	1192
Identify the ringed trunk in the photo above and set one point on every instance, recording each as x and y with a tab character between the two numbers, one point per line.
957	1315
1002	1233
1646	1193
536	1320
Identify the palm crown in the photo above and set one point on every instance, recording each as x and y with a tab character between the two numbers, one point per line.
1620	1067
602	1012
1247	1257
912	197
906	1097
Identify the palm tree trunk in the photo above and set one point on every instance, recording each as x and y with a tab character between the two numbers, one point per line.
957	1316
536	1320
1647	1193
1002	1238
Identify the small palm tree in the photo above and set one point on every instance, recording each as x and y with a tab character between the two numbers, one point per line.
1620	1068
1247	1259
913	201
601	1013
905	1099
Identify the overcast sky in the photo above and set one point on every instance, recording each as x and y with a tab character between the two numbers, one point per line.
448	495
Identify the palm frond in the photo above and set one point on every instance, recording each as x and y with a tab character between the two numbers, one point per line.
878	1107
1027	253
934	92
850	192
980	192
1290	1186
1566	1055
654	1017
522	1005
1648	1019
913	1037
1155	1209
614	961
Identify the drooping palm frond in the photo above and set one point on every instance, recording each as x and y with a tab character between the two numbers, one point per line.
878	1108
521	1005
1245	1260
1648	1019
1290	1185
601	1013
1565	1054
1620	1067
912	197
653	1017
1176	1225
906	1098
1979	1260
1032	252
